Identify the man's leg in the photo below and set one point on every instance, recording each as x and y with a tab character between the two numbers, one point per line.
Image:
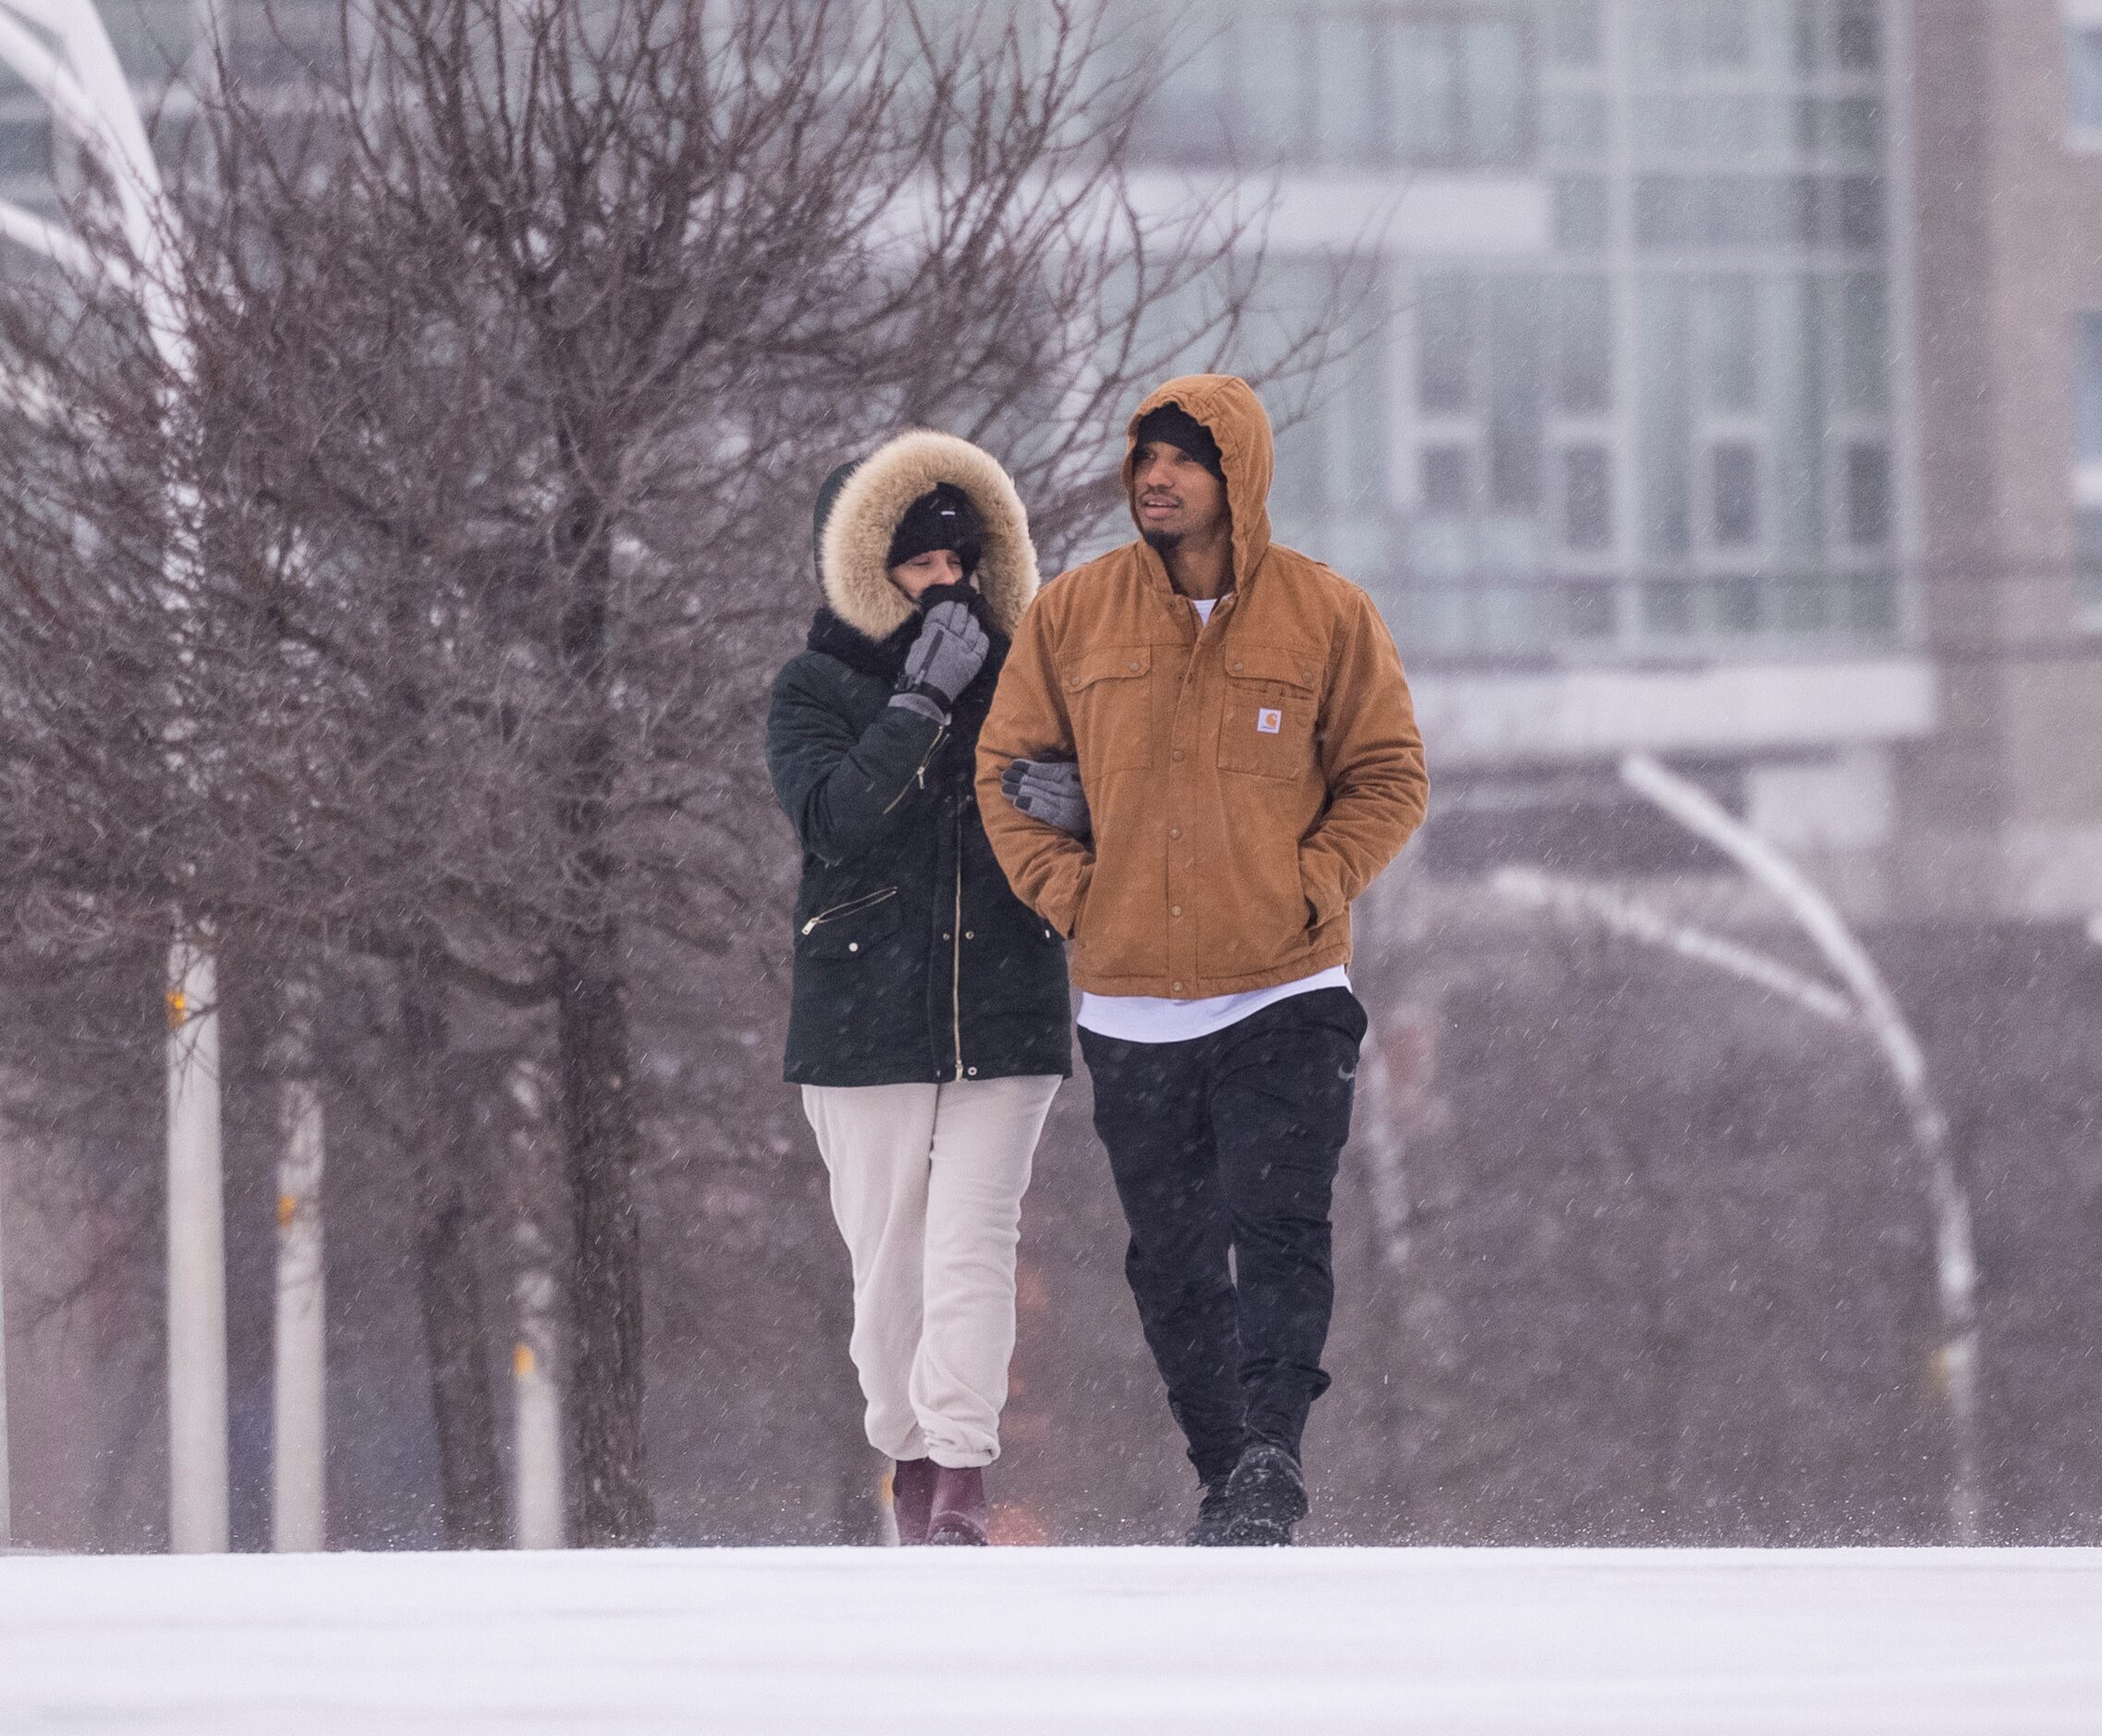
1281	1104
1150	1112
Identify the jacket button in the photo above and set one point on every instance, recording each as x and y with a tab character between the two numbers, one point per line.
1237	668
1174	988
1135	664
972	1071
970	935
1176	754
1175	909
853	945
1175	831
945	934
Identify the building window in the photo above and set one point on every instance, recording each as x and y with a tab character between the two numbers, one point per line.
1583	346
1580	213
1868	496
1588	499
2087	468
2087	582
1445	345
2083	84
1735	474
1445	491
1575	32
1857	36
1731	315
2089	392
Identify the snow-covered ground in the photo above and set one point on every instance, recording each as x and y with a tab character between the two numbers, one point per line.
1449	1642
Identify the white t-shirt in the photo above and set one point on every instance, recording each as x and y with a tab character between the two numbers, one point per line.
1151	1018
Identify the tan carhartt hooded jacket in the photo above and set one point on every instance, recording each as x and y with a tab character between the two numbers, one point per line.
1245	782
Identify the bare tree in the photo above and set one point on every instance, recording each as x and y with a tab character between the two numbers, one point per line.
517	354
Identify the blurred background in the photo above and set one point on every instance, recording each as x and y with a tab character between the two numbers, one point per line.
1716	386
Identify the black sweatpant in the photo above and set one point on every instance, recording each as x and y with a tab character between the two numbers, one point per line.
1231	1141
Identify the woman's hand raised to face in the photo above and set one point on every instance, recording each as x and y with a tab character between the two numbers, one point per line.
950	650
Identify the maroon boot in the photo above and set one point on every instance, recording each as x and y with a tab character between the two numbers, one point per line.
960	1506
912	1497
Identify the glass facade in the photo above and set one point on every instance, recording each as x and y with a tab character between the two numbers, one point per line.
2084	82
1362	85
1671	433
2087	463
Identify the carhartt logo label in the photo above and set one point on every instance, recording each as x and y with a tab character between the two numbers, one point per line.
1268	722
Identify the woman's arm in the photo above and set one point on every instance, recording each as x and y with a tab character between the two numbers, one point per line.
839	788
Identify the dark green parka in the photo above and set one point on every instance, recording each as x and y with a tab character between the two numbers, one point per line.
914	962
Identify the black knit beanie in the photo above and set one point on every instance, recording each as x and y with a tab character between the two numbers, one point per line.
1177	427
942	518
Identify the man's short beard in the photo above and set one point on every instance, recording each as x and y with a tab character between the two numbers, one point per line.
1162	542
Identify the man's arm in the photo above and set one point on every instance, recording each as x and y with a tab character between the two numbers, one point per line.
1048	868
1373	760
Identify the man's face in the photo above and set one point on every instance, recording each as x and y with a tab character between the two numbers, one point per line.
1177	497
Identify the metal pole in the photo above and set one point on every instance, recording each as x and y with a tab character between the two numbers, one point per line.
1957	1359
299	1436
536	1459
197	1260
538	1517
6	1466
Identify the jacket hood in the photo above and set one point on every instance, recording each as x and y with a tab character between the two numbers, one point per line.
1229	406
856	518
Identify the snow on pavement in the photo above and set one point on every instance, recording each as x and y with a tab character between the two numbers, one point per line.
1445	1642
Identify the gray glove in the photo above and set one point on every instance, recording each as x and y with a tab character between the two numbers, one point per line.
950	649
1048	790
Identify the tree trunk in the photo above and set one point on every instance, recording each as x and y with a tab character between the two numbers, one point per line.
448	1284
608	1497
608	1490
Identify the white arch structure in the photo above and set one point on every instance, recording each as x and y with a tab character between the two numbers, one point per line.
62	51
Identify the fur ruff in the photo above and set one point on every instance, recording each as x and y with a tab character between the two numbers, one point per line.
859	529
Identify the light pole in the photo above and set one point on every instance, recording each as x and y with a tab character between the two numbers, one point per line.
298	1439
60	49
1957	1370
537	1519
7	1464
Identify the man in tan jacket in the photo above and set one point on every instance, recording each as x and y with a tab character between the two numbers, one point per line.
1201	751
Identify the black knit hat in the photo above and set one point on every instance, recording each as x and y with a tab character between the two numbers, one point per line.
942	518
1177	427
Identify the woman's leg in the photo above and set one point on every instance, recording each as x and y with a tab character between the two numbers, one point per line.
984	1140
875	1141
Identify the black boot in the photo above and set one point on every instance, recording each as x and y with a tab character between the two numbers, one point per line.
1215	1514
1265	1498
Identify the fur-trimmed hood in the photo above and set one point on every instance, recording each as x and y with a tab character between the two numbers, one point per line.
855	532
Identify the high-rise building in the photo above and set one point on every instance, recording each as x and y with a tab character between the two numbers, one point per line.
1712	353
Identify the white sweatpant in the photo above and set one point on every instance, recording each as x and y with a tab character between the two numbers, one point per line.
926	1185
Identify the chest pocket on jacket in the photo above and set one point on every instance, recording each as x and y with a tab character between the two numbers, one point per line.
1109	698
1266	727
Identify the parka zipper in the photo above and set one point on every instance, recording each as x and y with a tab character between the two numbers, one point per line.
920	776
848	908
956	968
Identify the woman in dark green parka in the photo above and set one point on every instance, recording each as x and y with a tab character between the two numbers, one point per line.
929	1023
